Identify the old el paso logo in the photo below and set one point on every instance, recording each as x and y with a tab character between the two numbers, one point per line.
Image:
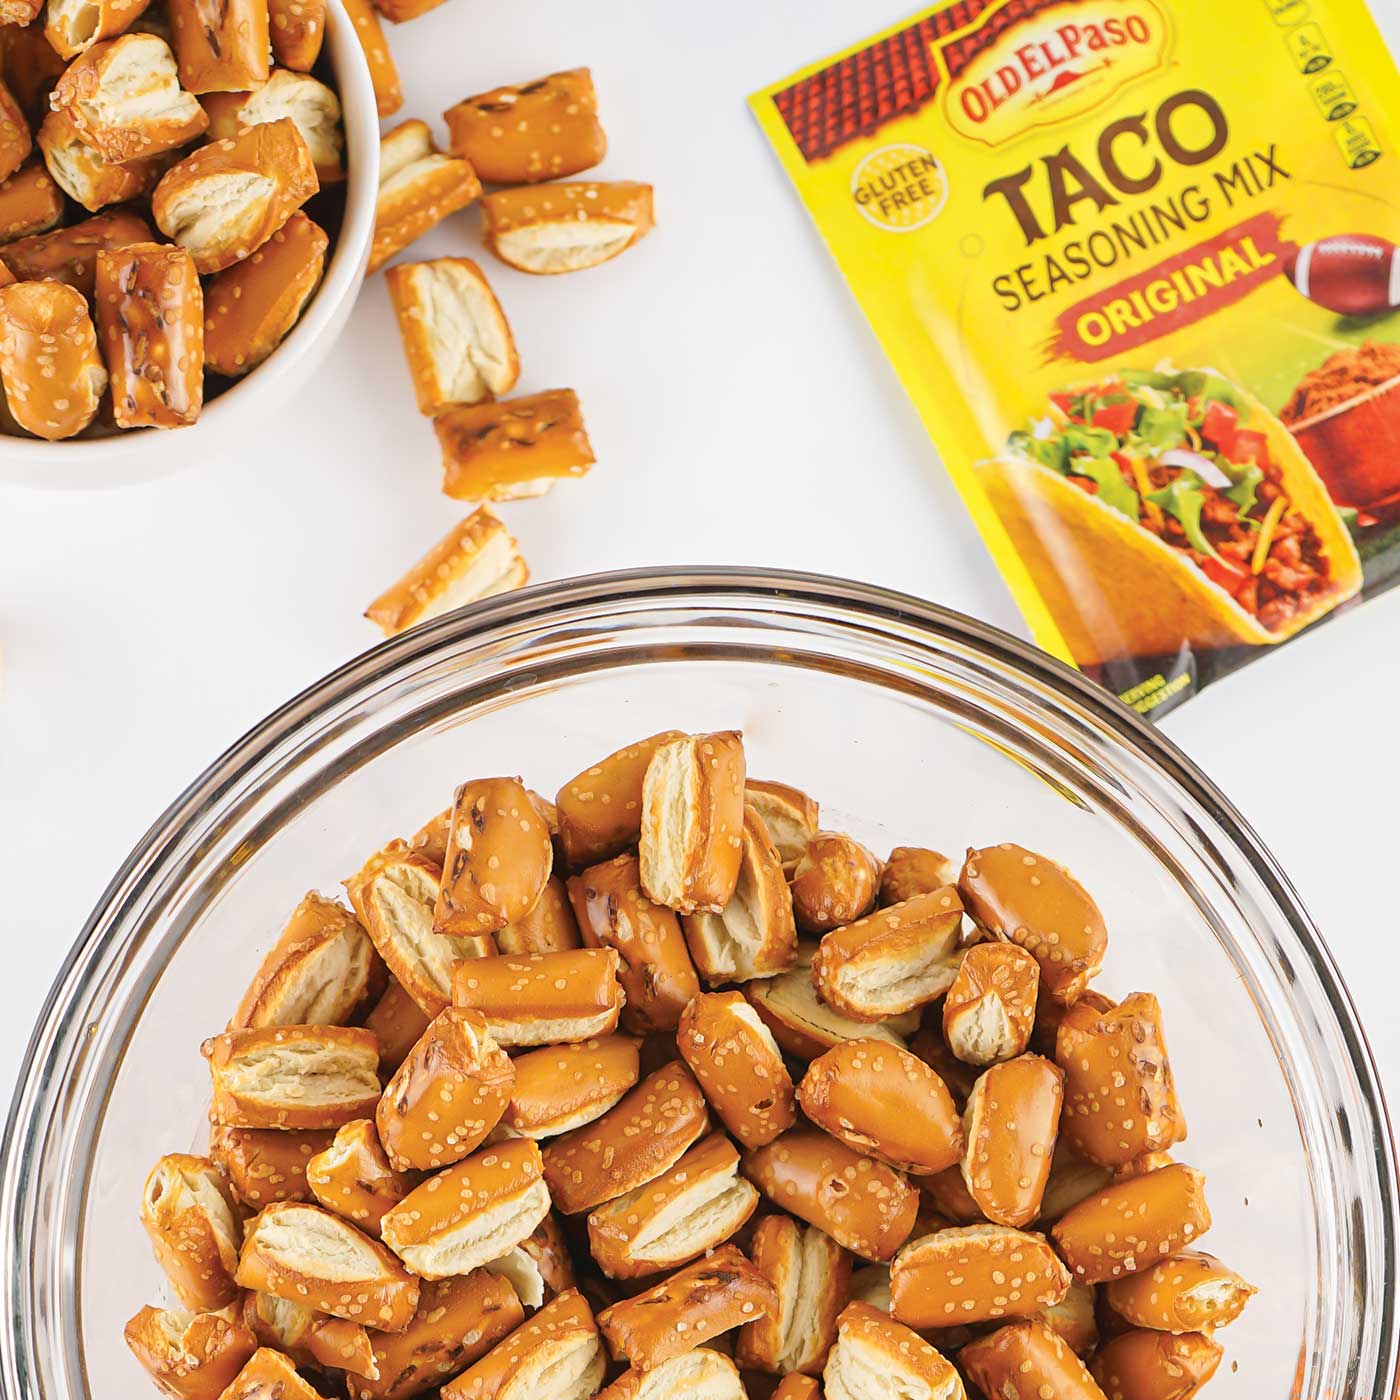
1055	65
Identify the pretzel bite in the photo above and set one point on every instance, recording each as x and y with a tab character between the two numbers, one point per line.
791	817
307	102
1012	1118
796	1387
472	1213
189	1357
250	308
263	1165
811	1274
457	1322
1189	1292
893	960
692	819
644	1135
859	1202
874	1356
269	1376
29	64
455	336
754	934
70	254
81	171
538	1267
1120	1097
600	810
499	856
419	186
353	1176
446	1096
1027	1359
512	450
220	48
557	1353
476	559
543	998
306	1337
311	1256
881	1100
231	196
1071	1180
946	1195
539	130
696	1205
1075	1318
297	28
656	972
383	74
703	1300
394	896
833	883
1133	1224
30	202
397	1022
975	1273
989	1012
550	927
188	1214
565	227
74	26
701	1374
562	1087
739	1067
1144	1365
912	870
52	373
802	1025
400	11
1027	899
16	142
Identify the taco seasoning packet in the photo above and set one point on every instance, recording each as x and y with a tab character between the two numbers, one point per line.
1135	262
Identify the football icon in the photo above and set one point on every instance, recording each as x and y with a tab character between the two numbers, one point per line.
1353	274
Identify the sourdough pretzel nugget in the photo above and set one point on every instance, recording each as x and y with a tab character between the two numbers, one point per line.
297	29
700	1302
550	927
458	1321
306	101
1015	894
69	254
220	47
419	186
1027	1358
754	934
646	1134
542	998
1186	1293
694	1206
190	1357
82	172
701	1374
512	450
229	197
1011	1121
874	1354
30	202
125	98
975	1273
881	1100
811	1275
562	1087
52	373
797	1387
738	1065
656	973
150	317
470	1214
74	26
446	1096
397	1021
833	882
692	819
383	74
29	64
565	227
456	338
791	817
859	1202
251	307
539	130
264	1165
16	141
292	1076
189	1218
353	1176
893	960
912	870
989	1012
1143	1365
600	810
556	1354
269	1376
539	1267
802	1024
499	855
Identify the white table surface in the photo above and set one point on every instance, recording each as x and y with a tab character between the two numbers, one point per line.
742	414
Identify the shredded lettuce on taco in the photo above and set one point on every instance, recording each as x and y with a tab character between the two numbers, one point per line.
1177	454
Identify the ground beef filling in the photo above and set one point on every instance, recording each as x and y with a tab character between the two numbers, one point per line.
1341	377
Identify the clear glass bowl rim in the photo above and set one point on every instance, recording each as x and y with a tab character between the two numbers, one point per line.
799	596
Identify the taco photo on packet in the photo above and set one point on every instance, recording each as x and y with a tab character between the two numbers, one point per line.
1156	507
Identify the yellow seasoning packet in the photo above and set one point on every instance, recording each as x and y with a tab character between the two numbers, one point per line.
1135	262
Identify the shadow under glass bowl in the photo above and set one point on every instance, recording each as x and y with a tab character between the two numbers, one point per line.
911	725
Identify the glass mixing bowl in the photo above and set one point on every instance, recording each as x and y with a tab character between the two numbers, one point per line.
911	725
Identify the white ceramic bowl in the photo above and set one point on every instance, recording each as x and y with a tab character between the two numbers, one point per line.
147	453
